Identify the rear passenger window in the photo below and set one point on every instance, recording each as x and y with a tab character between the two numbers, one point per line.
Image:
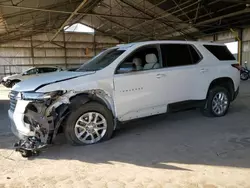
220	52
179	55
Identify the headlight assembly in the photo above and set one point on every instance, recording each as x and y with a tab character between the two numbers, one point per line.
38	96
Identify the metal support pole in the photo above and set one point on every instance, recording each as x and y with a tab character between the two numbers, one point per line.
4	70
65	51
238	37
240	46
32	51
214	37
94	44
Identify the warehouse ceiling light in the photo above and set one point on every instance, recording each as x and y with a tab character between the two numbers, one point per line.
79	28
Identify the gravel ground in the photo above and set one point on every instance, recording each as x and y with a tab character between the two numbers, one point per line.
183	149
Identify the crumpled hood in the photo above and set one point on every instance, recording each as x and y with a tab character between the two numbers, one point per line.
33	83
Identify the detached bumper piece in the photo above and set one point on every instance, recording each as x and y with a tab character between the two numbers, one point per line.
29	147
44	128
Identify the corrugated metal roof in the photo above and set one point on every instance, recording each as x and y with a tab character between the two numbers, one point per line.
126	20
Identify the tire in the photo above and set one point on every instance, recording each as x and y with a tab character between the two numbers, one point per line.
77	116
210	106
244	76
13	83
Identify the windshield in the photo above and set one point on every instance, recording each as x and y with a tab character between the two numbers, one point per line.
102	60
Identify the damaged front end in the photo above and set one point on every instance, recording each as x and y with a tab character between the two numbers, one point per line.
36	118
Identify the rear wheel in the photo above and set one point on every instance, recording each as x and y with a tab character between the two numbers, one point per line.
218	102
89	124
244	76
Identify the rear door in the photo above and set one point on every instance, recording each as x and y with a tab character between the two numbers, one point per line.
180	62
219	63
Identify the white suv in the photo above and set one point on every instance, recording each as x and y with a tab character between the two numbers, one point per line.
10	81
122	83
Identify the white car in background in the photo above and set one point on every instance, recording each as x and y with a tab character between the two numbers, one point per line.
123	83
10	81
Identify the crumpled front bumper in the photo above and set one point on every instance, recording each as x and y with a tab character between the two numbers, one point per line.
6	83
17	124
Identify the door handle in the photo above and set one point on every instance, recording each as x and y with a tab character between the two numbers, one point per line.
160	75
203	70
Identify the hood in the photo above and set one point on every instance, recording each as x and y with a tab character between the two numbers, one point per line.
33	83
10	77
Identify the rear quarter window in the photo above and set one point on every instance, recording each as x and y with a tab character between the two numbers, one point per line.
220	52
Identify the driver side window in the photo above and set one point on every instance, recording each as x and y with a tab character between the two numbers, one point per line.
145	58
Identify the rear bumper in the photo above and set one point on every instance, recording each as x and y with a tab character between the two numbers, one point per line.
236	93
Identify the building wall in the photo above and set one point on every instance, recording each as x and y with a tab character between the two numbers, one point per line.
230	37
67	50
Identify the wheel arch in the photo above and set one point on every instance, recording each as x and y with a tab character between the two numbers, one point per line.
15	80
99	96
225	82
79	99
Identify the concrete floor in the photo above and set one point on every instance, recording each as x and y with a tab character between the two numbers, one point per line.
176	150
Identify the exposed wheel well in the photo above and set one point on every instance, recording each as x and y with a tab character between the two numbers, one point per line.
225	82
83	98
15	80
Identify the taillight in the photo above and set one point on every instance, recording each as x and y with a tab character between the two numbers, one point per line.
237	66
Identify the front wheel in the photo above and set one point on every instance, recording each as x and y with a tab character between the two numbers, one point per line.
12	83
244	76
217	103
89	124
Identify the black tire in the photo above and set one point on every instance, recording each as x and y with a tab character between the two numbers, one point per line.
244	76
12	83
76	113
208	109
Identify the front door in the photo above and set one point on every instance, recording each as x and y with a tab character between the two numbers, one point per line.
138	84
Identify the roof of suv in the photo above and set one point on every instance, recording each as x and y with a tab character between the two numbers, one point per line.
166	41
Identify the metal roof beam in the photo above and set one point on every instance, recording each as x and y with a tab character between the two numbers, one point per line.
124	27
33	9
238	1
153	18
69	18
223	17
163	15
215	19
66	12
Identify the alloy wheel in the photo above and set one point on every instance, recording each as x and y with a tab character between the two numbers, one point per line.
220	103
90	127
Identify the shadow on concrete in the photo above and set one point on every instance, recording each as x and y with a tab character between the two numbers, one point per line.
157	142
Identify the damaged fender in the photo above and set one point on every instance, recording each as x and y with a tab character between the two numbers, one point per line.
45	117
46	121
